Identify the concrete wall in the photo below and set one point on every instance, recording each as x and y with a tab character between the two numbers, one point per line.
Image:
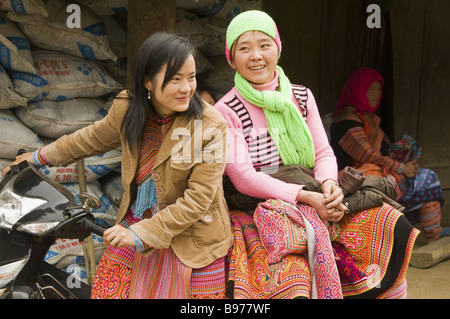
422	81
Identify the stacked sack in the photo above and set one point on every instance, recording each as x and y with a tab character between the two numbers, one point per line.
15	54
55	80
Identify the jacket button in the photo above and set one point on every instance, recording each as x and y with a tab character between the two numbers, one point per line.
185	165
156	177
207	219
159	190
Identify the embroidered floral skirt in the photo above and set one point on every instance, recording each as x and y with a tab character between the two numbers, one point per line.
112	279
115	274
370	251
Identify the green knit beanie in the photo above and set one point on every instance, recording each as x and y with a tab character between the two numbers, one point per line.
252	20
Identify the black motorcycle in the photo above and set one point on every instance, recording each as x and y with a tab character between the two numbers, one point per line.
34	212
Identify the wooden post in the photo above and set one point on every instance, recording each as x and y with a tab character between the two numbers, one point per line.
88	244
146	17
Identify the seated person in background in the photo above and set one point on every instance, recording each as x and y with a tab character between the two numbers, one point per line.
358	141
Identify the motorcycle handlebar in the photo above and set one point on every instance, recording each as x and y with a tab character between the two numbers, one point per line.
95	228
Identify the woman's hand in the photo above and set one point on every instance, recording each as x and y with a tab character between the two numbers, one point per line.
118	236
19	159
411	169
329	208
333	195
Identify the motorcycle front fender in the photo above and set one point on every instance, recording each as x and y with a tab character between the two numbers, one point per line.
14	254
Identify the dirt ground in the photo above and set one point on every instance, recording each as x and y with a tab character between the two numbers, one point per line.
430	283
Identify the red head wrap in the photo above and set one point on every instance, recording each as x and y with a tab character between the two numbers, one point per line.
355	89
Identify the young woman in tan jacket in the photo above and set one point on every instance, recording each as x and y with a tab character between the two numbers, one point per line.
173	228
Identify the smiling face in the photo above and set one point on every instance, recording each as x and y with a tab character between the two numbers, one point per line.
374	93
175	96
255	57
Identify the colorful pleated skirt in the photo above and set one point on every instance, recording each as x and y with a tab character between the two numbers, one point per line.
123	274
113	276
371	251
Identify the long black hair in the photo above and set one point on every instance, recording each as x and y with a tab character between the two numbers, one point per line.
161	48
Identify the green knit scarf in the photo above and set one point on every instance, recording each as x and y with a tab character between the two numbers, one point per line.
285	123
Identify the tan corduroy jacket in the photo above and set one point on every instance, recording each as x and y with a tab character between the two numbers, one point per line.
193	217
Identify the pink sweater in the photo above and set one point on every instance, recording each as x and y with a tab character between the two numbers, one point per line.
253	154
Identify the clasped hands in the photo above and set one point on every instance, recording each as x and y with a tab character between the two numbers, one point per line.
327	204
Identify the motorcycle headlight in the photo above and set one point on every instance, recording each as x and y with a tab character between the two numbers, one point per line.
37	228
14	206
